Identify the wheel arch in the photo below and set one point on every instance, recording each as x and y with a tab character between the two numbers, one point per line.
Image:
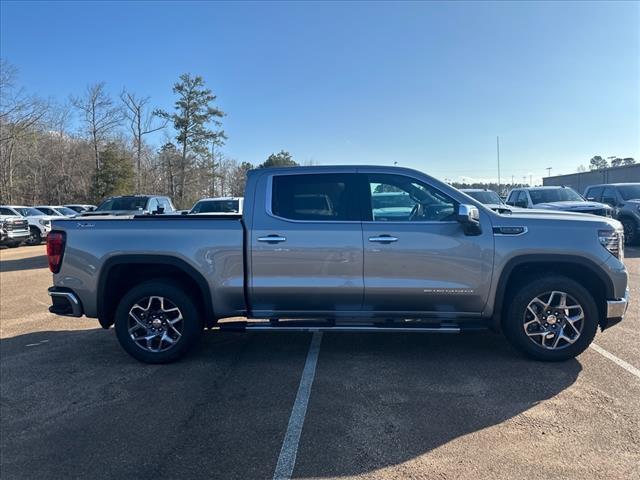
580	269
122	272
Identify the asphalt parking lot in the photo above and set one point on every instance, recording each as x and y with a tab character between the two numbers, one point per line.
74	405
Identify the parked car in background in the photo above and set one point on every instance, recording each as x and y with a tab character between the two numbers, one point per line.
220	205
564	199
13	231
57	210
39	223
133	205
308	254
391	205
78	207
487	197
624	198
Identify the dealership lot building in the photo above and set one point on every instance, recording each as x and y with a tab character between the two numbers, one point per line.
580	181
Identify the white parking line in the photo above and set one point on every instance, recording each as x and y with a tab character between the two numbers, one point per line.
287	458
627	366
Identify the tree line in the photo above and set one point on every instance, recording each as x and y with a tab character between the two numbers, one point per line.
94	145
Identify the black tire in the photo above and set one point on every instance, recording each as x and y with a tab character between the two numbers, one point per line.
13	245
630	230
191	325
514	318
35	237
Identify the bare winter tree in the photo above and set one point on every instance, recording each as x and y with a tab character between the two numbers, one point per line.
99	115
142	121
19	113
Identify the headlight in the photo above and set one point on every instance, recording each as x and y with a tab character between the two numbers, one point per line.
612	240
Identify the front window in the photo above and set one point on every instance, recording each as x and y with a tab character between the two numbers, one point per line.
398	198
486	197
216	206
123	203
554	195
629	192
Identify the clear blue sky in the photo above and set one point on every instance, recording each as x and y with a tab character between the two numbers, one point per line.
427	85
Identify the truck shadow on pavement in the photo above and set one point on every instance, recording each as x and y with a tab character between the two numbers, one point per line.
27	263
74	405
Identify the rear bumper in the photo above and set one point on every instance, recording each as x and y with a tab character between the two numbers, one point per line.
65	302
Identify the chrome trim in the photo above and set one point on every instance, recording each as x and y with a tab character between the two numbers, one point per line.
272	239
76	309
383	239
617	308
525	231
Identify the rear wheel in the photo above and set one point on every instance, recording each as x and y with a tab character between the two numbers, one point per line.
35	237
13	245
551	319
157	322
630	230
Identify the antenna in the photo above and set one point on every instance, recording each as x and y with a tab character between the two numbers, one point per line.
548	171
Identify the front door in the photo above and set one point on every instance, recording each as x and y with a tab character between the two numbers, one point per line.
417	258
306	246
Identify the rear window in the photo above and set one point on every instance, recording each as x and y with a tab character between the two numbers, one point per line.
123	203
327	197
217	206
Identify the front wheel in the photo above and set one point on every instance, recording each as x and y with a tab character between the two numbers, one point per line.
157	322
35	237
551	319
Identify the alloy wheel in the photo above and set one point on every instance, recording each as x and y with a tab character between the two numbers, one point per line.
155	324
553	320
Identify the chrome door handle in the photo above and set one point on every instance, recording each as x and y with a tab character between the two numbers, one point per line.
272	239
383	239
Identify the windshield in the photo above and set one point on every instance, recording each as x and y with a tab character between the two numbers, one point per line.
66	211
123	203
392	200
29	212
555	195
216	206
629	192
487	197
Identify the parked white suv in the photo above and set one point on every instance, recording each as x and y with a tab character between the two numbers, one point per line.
39	223
57	211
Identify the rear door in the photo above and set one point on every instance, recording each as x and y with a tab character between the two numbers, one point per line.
306	244
417	258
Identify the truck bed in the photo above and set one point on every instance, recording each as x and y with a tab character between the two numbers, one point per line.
211	245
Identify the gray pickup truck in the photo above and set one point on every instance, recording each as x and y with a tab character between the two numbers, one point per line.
312	252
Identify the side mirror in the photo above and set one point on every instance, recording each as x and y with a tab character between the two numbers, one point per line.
591	199
469	217
159	210
609	201
184	212
522	204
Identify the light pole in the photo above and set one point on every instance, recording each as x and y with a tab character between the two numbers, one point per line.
498	155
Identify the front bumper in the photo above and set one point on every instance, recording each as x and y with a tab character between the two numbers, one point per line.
65	302
616	310
12	237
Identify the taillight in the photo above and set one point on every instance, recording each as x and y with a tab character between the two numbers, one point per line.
55	249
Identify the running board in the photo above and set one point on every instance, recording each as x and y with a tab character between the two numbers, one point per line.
328	327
